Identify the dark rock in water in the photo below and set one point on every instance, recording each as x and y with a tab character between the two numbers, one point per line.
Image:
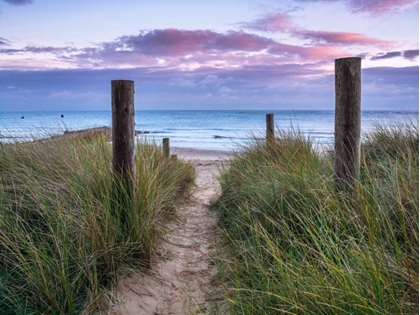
138	132
23	117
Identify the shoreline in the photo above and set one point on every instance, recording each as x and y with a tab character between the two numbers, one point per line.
181	152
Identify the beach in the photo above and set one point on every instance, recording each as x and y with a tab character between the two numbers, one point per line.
209	156
180	278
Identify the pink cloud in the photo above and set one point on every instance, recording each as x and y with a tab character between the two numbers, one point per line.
380	6
190	50
340	38
282	22
307	53
240	41
374	7
174	42
174	48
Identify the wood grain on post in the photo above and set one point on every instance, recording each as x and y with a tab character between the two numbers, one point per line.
270	127
123	141
347	121
166	149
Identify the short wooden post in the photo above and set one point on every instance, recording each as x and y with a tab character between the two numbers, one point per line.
166	150
270	127
123	144
347	121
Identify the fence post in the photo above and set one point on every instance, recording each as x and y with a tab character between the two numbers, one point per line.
166	150
270	128
347	121
123	143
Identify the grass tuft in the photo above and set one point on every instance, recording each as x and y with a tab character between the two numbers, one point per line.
300	247
65	235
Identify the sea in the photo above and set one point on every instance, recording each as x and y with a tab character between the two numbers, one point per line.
226	130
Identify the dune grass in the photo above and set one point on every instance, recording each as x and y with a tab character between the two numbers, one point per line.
296	245
65	235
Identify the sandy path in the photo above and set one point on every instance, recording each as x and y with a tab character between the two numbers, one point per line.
179	281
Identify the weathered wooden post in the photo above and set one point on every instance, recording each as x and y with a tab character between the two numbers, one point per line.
347	121
123	138
270	128
166	150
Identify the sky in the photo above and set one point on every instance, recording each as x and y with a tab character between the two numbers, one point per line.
207	54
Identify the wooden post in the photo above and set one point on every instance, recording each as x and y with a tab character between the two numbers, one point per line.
347	121
123	143
166	150
270	127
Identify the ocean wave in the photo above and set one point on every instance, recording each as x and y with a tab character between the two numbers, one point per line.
192	129
231	138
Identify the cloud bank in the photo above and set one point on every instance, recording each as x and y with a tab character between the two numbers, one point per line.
191	49
290	86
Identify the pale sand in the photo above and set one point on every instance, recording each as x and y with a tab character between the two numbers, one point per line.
180	279
201	155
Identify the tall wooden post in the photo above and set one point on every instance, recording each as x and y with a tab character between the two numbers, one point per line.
166	149
347	121
270	127
123	141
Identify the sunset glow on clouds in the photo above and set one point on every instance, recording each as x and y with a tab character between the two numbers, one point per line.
268	62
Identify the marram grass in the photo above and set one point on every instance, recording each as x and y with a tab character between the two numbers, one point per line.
301	247
64	235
